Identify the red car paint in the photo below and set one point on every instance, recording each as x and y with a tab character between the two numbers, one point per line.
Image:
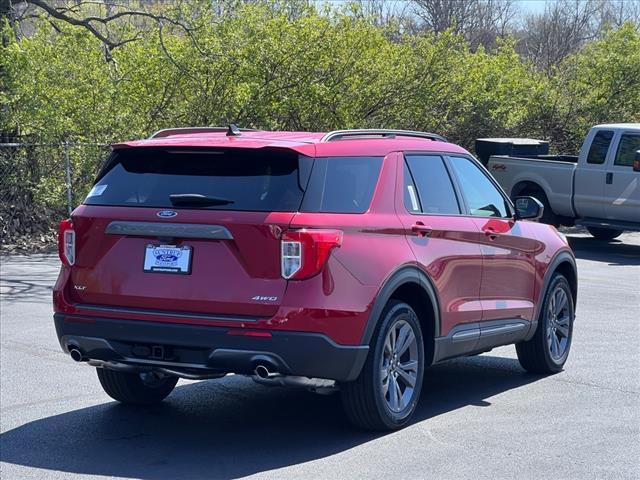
481	268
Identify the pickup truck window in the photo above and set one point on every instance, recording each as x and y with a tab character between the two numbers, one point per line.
435	190
627	148
483	198
599	147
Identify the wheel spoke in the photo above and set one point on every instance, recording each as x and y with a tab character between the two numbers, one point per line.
393	393
563	321
409	378
563	330
385	386
555	346
399	400
407	340
402	335
410	366
388	348
392	339
561	301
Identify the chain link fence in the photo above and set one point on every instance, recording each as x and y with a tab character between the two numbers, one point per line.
40	184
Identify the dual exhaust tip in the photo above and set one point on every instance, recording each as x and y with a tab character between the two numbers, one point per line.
261	371
76	355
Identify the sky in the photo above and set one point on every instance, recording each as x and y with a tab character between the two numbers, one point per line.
532	6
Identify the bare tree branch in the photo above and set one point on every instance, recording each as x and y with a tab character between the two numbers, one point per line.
69	13
55	13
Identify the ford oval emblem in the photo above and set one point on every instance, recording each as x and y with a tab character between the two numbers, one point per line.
166	213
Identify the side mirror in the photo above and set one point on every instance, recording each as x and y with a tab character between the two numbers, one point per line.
528	208
636	162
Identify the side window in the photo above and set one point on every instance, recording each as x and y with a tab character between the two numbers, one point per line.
484	199
411	201
599	147
435	193
629	145
342	184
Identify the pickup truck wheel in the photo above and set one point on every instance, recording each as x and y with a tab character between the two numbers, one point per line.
548	350
386	393
604	233
548	216
136	388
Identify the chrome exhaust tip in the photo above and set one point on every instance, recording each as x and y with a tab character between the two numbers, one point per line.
76	355
262	371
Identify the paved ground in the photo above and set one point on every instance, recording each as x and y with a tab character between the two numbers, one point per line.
480	417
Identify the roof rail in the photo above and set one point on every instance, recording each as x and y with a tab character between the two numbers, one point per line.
187	130
383	132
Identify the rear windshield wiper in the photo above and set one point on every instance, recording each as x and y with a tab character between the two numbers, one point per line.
196	199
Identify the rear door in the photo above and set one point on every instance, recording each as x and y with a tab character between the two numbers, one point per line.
508	249
622	186
590	176
444	242
221	211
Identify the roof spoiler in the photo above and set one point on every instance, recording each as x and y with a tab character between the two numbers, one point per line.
231	129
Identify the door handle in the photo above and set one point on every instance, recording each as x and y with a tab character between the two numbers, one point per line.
421	229
609	178
490	232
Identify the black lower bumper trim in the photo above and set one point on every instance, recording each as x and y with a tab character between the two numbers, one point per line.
208	348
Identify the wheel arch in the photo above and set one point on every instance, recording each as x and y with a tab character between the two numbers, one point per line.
564	263
411	285
526	185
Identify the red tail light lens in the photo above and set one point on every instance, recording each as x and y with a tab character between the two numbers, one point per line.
67	242
305	252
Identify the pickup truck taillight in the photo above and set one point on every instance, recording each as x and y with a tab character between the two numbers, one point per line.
305	252
67	242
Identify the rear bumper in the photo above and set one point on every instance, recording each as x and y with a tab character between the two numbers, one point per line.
207	348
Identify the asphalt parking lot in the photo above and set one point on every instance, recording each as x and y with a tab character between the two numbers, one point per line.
479	417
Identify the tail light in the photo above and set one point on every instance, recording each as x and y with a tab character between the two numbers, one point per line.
305	252
67	242
636	162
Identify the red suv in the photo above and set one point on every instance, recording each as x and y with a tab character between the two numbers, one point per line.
350	260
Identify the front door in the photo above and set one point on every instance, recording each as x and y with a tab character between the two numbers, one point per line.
508	249
622	186
590	176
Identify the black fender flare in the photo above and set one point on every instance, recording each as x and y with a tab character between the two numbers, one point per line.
563	256
403	275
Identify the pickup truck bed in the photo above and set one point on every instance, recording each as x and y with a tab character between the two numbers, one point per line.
599	189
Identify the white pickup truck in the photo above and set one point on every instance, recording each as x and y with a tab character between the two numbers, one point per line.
600	191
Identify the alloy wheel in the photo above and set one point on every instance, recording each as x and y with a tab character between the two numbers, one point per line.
558	323
399	366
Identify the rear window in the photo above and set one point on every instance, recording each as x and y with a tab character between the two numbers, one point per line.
342	184
252	180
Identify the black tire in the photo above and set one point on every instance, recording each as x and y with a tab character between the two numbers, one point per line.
548	216
364	399
134	388
604	233
536	355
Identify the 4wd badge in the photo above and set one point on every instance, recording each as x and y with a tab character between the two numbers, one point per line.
262	298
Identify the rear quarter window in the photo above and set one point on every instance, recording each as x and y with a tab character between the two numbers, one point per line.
342	184
252	180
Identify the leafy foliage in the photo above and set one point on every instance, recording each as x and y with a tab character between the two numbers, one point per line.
257	66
